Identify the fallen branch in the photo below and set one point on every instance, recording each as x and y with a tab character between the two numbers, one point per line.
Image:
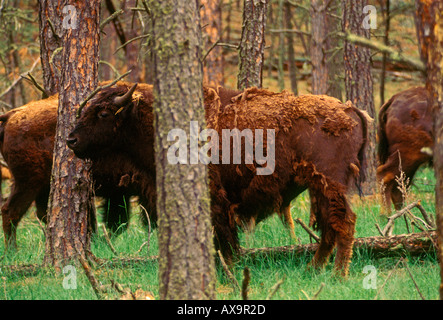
387	230
95	284
146	243
308	230
413	280
22	270
228	272
387	278
413	243
274	289
316	294
108	240
425	215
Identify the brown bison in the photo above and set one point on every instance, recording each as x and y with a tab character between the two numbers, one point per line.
26	143
406	140
318	145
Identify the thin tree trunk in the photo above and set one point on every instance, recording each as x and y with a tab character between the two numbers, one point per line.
71	208
385	55
423	28
434	49
252	44
281	46
211	16
186	261
358	81
325	52
290	45
319	30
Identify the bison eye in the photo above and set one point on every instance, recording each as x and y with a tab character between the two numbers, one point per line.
103	114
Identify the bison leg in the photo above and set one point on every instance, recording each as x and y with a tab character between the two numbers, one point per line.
321	256
225	233
41	204
342	220
286	218
337	224
223	220
13	211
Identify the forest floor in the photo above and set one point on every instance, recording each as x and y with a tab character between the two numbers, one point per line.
398	277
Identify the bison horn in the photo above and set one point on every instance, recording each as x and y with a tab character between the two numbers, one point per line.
123	100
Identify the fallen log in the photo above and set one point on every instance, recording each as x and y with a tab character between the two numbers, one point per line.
412	243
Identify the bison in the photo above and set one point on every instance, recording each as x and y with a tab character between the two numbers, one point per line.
406	140
319	145
26	143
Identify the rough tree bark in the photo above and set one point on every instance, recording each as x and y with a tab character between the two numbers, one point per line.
211	16
358	81
325	53
412	243
290	47
51	34
71	209
186	261
423	27
434	83
387	19
252	44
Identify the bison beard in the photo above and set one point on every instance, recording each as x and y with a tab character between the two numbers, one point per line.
405	133
319	146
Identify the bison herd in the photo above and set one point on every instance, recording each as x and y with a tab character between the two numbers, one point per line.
319	146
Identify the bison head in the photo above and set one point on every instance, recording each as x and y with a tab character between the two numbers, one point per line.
98	128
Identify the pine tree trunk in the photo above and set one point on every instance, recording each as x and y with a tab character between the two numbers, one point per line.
211	16
71	209
358	81
385	55
186	261
434	50
423	20
325	61
319	30
290	45
252	44
51	31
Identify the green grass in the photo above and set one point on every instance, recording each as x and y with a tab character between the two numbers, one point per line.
298	282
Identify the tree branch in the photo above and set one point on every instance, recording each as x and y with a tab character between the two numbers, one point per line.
393	54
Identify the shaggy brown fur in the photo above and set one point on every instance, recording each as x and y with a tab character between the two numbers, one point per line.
319	143
26	143
405	128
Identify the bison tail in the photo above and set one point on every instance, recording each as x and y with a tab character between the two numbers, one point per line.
366	120
3	120
382	148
